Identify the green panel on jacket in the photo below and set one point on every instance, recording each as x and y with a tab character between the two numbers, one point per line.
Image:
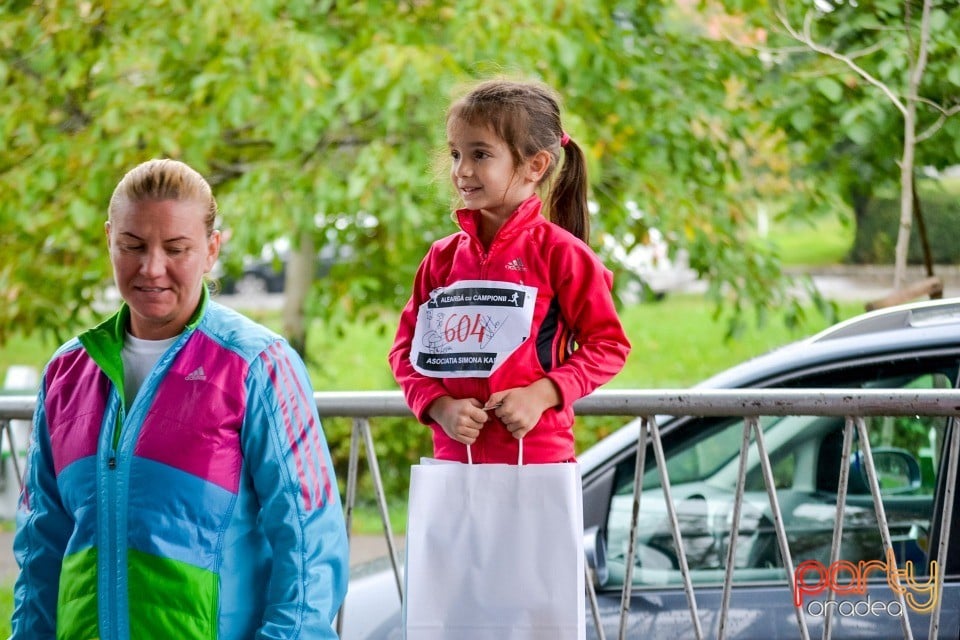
170	599
77	601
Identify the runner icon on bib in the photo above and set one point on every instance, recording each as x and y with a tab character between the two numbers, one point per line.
469	328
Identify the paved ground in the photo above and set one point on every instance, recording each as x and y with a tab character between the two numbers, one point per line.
370	547
8	566
872	283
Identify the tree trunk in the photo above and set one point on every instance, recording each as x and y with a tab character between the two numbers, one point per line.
916	68
298	278
906	196
922	231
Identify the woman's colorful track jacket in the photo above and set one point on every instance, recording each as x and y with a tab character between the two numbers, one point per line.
573	304
206	509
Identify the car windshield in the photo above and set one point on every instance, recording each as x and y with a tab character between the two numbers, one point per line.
703	459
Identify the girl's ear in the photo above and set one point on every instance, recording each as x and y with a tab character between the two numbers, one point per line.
537	165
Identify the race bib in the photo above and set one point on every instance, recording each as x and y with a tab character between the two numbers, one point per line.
469	328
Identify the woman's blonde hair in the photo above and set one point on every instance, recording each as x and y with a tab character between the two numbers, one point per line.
165	179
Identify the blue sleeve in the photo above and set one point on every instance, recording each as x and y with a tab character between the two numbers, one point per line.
287	454
43	529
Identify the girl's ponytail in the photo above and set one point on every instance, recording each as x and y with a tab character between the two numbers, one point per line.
568	197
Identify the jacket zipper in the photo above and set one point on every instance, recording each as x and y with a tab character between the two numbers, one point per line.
483	385
108	540
484	255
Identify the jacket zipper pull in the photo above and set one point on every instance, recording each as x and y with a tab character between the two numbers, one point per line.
112	463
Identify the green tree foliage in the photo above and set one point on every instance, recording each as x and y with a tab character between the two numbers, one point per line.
847	131
324	120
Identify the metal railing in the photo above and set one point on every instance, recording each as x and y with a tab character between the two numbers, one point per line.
851	404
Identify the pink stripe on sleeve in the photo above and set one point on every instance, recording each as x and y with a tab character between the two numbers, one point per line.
309	434
285	400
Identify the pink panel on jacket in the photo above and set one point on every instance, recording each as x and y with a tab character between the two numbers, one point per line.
195	419
76	398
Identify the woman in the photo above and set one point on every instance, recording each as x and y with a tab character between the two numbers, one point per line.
179	484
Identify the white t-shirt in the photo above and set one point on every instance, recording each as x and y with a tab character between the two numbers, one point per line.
138	358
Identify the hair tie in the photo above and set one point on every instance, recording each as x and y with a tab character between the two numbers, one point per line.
564	138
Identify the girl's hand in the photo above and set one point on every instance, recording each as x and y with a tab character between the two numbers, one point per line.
520	408
460	419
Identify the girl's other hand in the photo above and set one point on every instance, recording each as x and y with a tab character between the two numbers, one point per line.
520	408
460	419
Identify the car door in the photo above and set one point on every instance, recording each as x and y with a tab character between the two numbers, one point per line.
702	460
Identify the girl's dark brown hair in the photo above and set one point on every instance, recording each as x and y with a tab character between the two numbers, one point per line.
526	116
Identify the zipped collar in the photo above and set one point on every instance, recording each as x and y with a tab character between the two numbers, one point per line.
105	341
524	216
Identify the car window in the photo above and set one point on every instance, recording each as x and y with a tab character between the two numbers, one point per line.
702	459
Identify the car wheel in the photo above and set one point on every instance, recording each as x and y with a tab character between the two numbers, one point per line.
250	284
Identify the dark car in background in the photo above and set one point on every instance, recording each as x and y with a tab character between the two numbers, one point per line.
267	272
914	346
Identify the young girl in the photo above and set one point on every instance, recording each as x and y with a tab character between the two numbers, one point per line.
511	319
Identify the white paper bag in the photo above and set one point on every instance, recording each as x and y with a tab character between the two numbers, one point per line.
494	551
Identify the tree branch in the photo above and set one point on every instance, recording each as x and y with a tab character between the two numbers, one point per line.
224	172
916	71
802	48
807	39
936	126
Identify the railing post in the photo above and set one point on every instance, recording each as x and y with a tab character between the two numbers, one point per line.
7	426
675	528
842	486
734	530
953	453
353	463
634	521
592	597
874	484
361	429
351	497
381	501
768	479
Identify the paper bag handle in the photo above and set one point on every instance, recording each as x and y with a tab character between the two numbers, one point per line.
519	454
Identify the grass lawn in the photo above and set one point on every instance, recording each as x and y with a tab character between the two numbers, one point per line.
821	242
677	343
6	609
